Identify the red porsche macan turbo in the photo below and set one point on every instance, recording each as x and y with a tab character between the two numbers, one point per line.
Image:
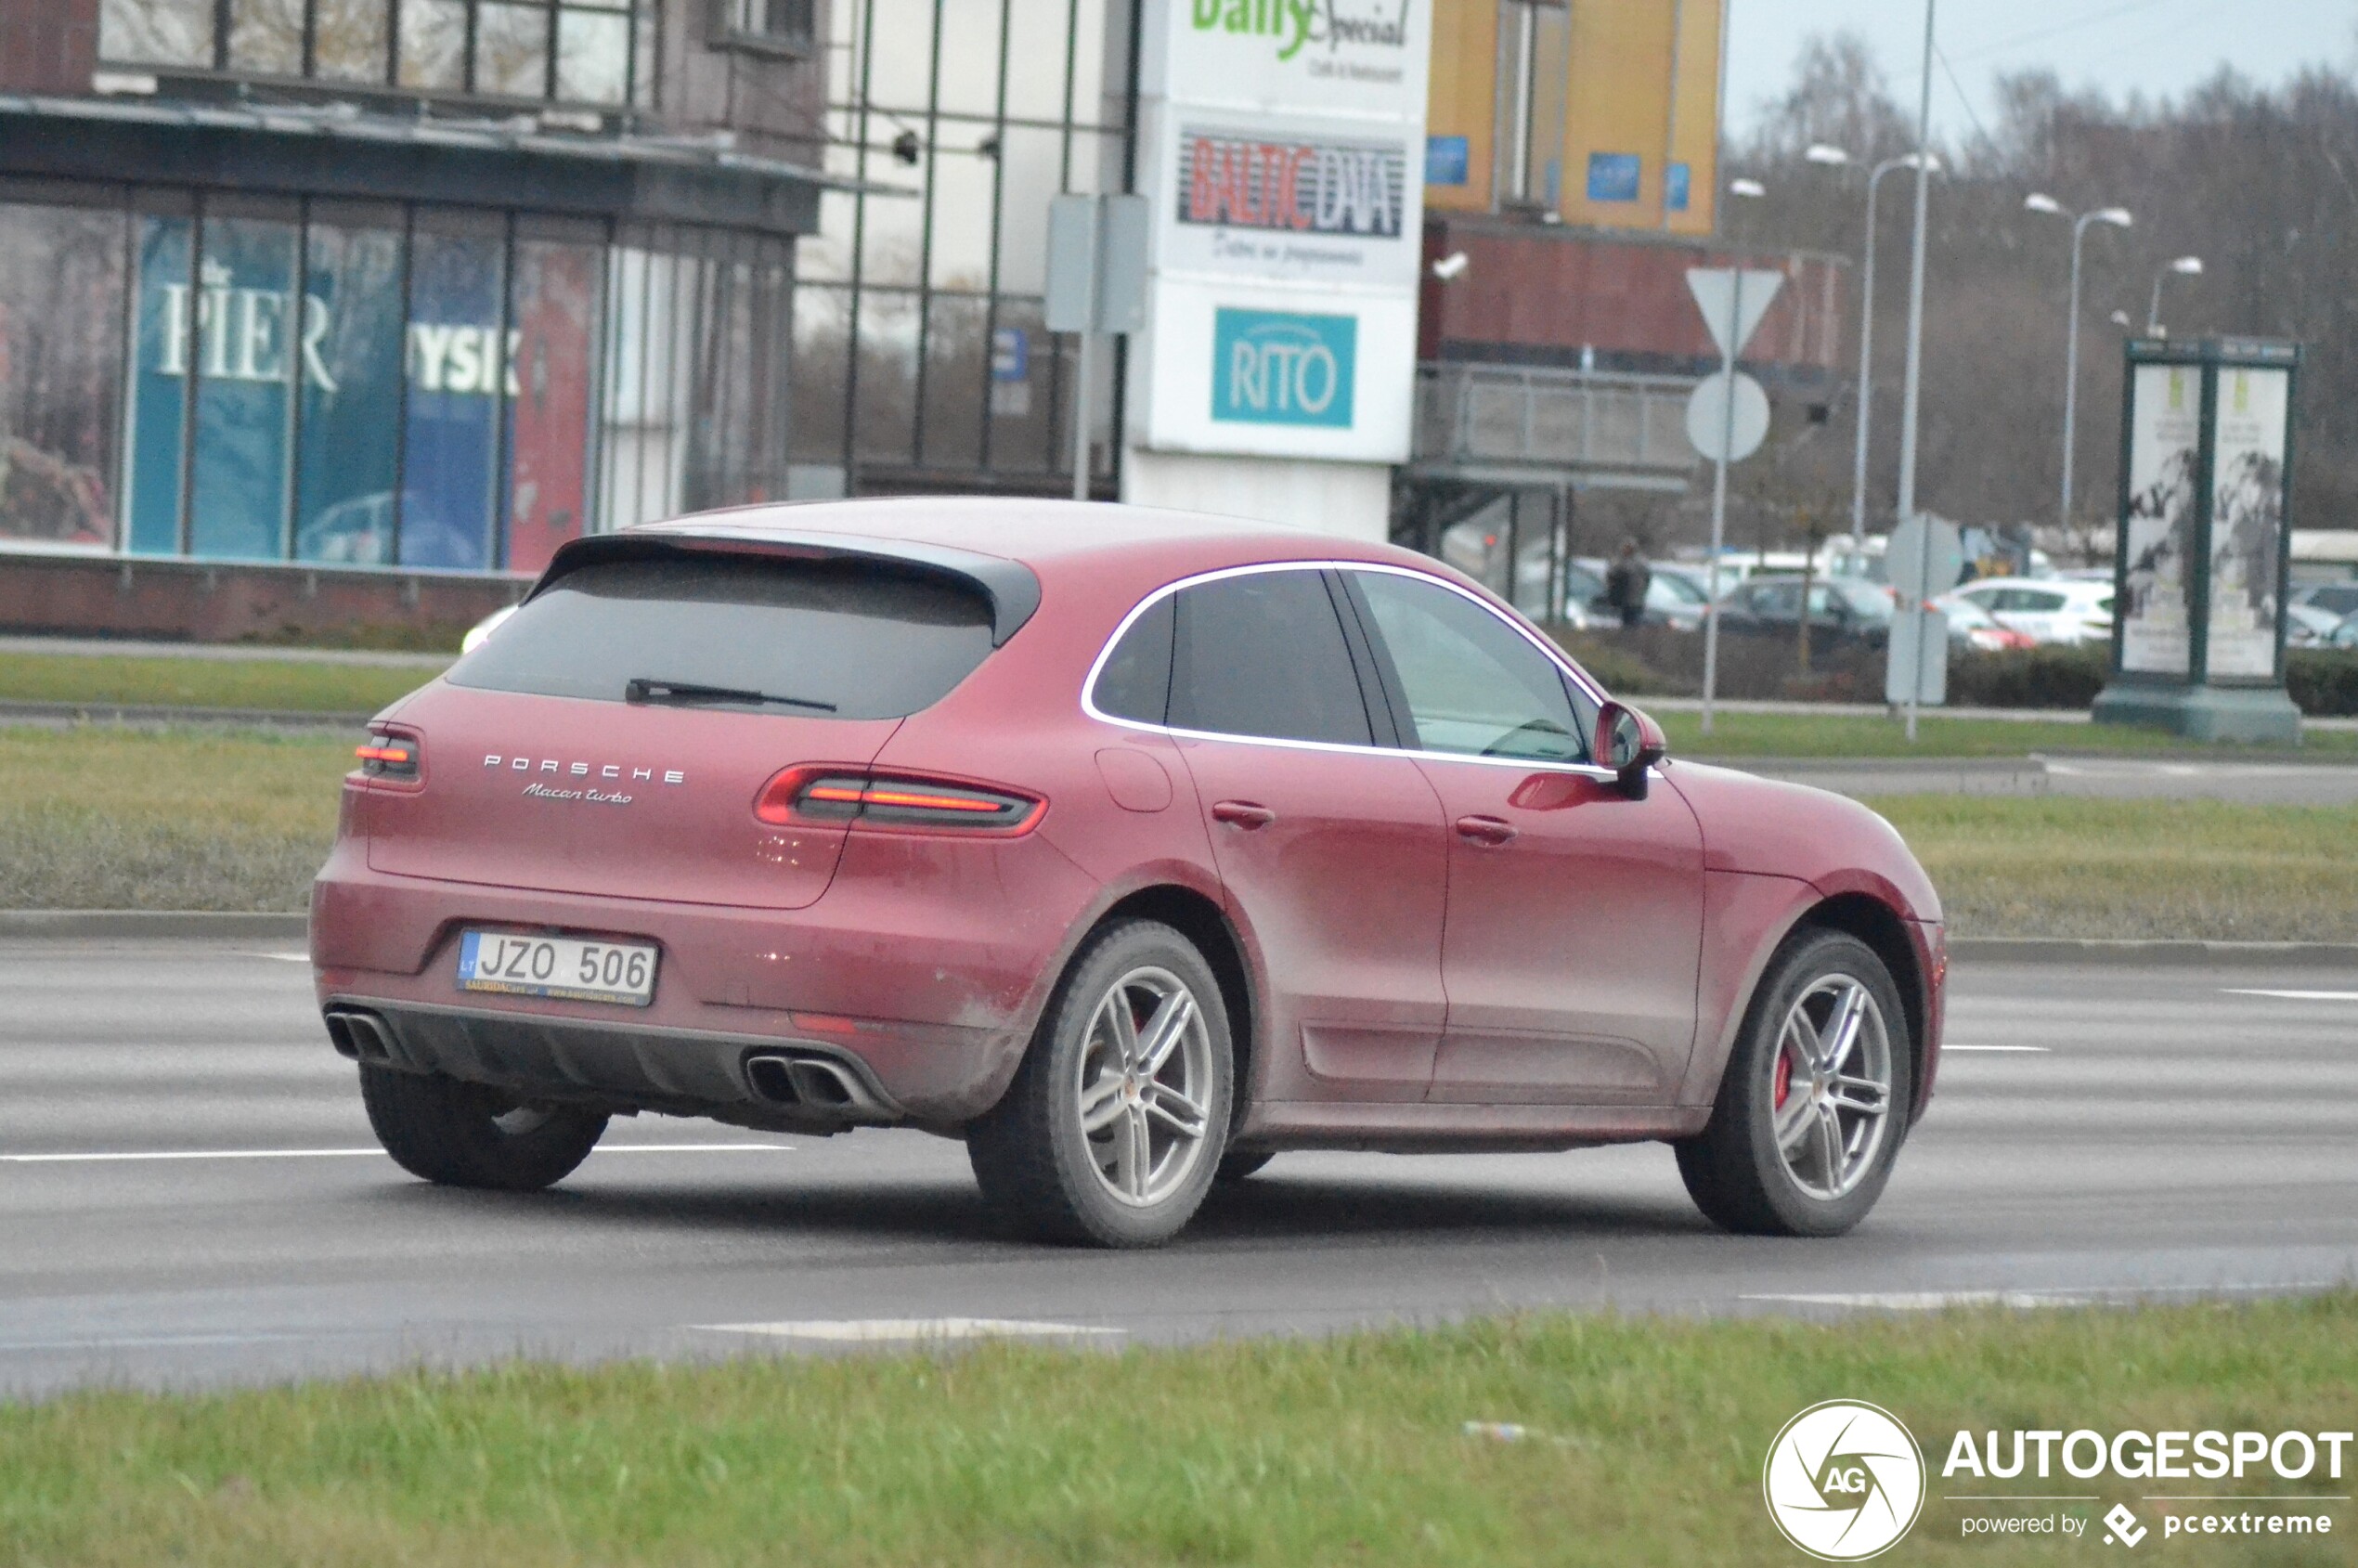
1130	846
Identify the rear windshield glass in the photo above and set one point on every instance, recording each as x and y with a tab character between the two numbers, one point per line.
843	639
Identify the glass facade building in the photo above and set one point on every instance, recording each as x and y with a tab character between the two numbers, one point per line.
921	360
375	383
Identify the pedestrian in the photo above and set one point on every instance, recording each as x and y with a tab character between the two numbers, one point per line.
1627	581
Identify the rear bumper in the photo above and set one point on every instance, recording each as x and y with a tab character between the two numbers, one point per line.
628	1067
928	994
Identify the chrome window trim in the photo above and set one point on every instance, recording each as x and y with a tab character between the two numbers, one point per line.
1553	656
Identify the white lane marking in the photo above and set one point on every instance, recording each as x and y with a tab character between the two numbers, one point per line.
1931	1300
2042	1050
1935	1300
355	1153
2297	995
283	957
867	1331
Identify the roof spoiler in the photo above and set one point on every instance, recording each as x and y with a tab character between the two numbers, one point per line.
1013	591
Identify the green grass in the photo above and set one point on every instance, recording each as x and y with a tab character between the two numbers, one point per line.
1778	734
278	684
2046	866
99	817
1649	1440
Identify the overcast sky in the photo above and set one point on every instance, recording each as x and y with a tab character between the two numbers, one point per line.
2162	46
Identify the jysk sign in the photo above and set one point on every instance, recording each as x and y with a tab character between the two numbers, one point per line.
1277	368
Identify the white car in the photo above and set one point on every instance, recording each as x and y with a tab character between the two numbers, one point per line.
2061	610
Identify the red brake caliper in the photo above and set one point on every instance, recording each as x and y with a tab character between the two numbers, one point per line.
1784	1078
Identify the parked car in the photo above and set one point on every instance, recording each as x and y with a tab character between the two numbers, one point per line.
1970	625
1116	844
1671	600
2346	634
2058	610
1841	610
2310	624
2339	598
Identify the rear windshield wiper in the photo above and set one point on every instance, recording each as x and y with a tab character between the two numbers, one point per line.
640	690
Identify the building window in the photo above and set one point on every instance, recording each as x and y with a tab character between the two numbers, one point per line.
581	52
60	373
783	26
1534	69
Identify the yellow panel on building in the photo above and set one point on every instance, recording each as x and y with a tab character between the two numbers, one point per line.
1543	108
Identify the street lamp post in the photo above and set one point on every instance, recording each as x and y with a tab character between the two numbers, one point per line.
2188	267
1867	340
2119	218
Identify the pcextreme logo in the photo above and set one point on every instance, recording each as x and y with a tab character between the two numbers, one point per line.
1844	1481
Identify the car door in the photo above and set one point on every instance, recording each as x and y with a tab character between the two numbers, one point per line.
1574	930
1332	850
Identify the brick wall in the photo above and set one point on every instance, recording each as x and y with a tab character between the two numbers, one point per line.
200	603
47	45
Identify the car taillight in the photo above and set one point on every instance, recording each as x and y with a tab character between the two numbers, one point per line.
822	794
389	756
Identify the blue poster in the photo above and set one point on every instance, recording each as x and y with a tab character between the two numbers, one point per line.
1272	367
155	387
1445	159
243	353
1613	177
1675	187
349	346
458	374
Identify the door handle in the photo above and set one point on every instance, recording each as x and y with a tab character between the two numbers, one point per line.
1485	830
1242	814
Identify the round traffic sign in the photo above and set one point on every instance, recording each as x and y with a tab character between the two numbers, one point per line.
1925	558
1707	420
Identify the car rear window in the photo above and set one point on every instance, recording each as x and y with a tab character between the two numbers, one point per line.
847	639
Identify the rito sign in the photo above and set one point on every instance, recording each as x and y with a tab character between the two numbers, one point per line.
1274	367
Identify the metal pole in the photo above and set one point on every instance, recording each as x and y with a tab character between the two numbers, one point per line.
2072	369
1719	495
1080	422
1912	400
2152	311
1866	341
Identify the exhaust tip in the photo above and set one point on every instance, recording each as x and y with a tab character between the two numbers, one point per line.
361	1037
815	1082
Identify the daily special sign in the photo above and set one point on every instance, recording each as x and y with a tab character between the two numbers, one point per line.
1283	163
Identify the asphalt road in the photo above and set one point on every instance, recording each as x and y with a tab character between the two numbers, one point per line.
2113	778
2100	1130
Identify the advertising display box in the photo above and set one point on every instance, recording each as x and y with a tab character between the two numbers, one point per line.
1283	151
2198	586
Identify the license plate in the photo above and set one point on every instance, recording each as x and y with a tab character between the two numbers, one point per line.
567	967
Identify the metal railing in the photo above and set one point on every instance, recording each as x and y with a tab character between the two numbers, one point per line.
1544	420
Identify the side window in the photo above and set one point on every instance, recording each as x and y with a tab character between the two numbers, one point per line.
2044	602
1473	684
1135	682
1778	600
1262	654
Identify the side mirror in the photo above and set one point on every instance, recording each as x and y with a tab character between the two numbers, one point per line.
1629	743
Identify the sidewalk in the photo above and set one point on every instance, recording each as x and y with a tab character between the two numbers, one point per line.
1877	710
226	653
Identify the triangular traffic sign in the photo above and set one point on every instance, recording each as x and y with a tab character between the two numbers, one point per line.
1715	290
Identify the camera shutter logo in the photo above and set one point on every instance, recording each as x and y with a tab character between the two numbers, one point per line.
1844	1481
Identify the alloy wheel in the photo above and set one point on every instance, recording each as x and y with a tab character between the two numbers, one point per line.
1830	1092
1144	1081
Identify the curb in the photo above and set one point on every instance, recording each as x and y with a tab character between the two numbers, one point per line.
142	713
2158	955
168	924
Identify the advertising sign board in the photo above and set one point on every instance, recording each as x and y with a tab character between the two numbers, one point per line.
1285	160
2157	531
2247	521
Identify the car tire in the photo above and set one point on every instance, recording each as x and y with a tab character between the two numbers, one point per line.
1794	1146
467	1135
1090	1145
1239	1166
